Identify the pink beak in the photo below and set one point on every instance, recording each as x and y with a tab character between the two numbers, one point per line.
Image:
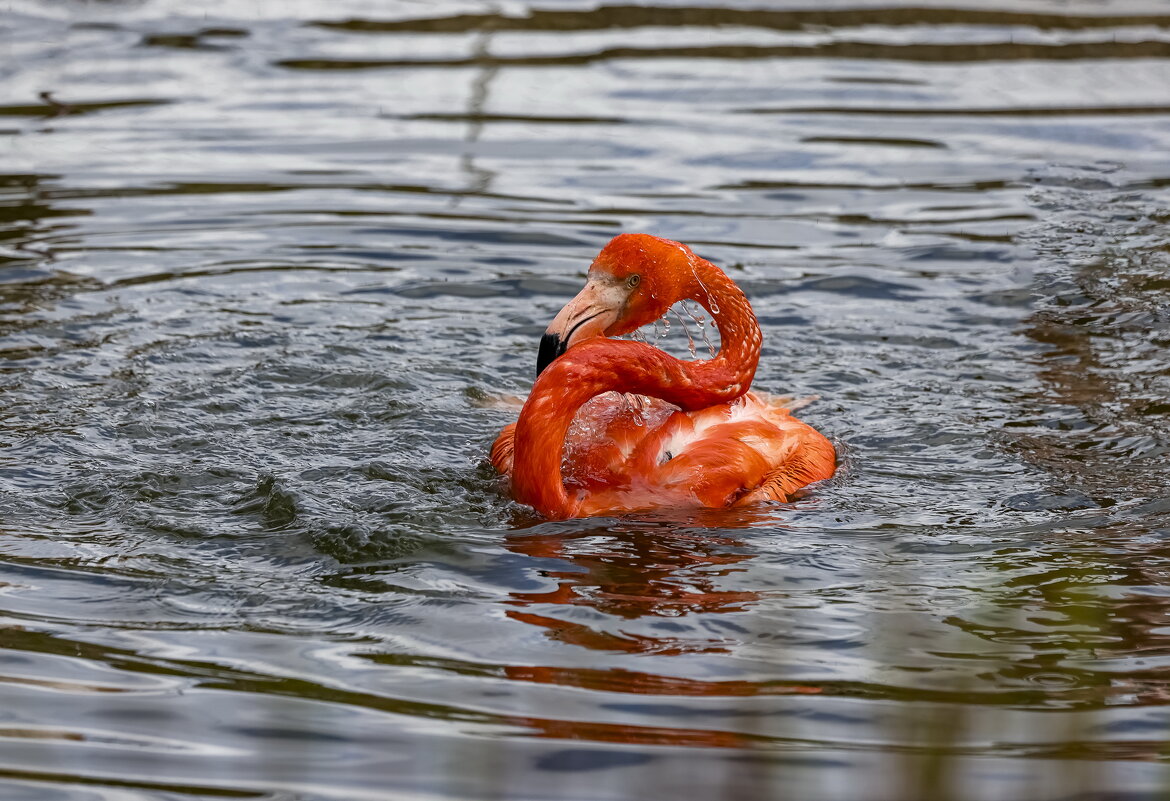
597	307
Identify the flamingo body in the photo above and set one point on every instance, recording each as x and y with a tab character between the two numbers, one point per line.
614	426
621	458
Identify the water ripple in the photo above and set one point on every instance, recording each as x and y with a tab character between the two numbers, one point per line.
269	277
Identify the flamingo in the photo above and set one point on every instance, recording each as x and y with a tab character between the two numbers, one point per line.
585	444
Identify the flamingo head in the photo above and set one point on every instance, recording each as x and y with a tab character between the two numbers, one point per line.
633	281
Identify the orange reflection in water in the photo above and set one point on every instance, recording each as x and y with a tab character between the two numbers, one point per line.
630	572
633	572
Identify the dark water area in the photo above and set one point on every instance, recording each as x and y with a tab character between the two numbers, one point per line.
265	266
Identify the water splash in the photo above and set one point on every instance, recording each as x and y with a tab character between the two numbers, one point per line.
635	407
686	330
701	322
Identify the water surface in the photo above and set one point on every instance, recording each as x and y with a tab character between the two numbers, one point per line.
263	264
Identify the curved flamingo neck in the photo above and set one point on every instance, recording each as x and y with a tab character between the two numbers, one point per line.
734	367
591	368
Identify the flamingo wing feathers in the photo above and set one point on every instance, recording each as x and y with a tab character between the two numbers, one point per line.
742	452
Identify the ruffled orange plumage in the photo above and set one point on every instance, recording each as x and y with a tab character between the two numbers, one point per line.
585	443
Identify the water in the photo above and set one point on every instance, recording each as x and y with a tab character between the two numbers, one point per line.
265	265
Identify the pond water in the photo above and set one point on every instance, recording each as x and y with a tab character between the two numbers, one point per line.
264	265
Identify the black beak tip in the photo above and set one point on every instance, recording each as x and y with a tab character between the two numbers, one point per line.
551	346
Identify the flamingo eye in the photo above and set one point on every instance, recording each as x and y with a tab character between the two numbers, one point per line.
633	280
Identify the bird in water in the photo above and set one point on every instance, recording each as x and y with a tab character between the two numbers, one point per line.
614	426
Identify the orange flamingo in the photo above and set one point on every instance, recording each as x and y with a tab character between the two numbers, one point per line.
699	438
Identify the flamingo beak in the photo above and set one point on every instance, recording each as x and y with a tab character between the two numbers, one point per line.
551	346
597	306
